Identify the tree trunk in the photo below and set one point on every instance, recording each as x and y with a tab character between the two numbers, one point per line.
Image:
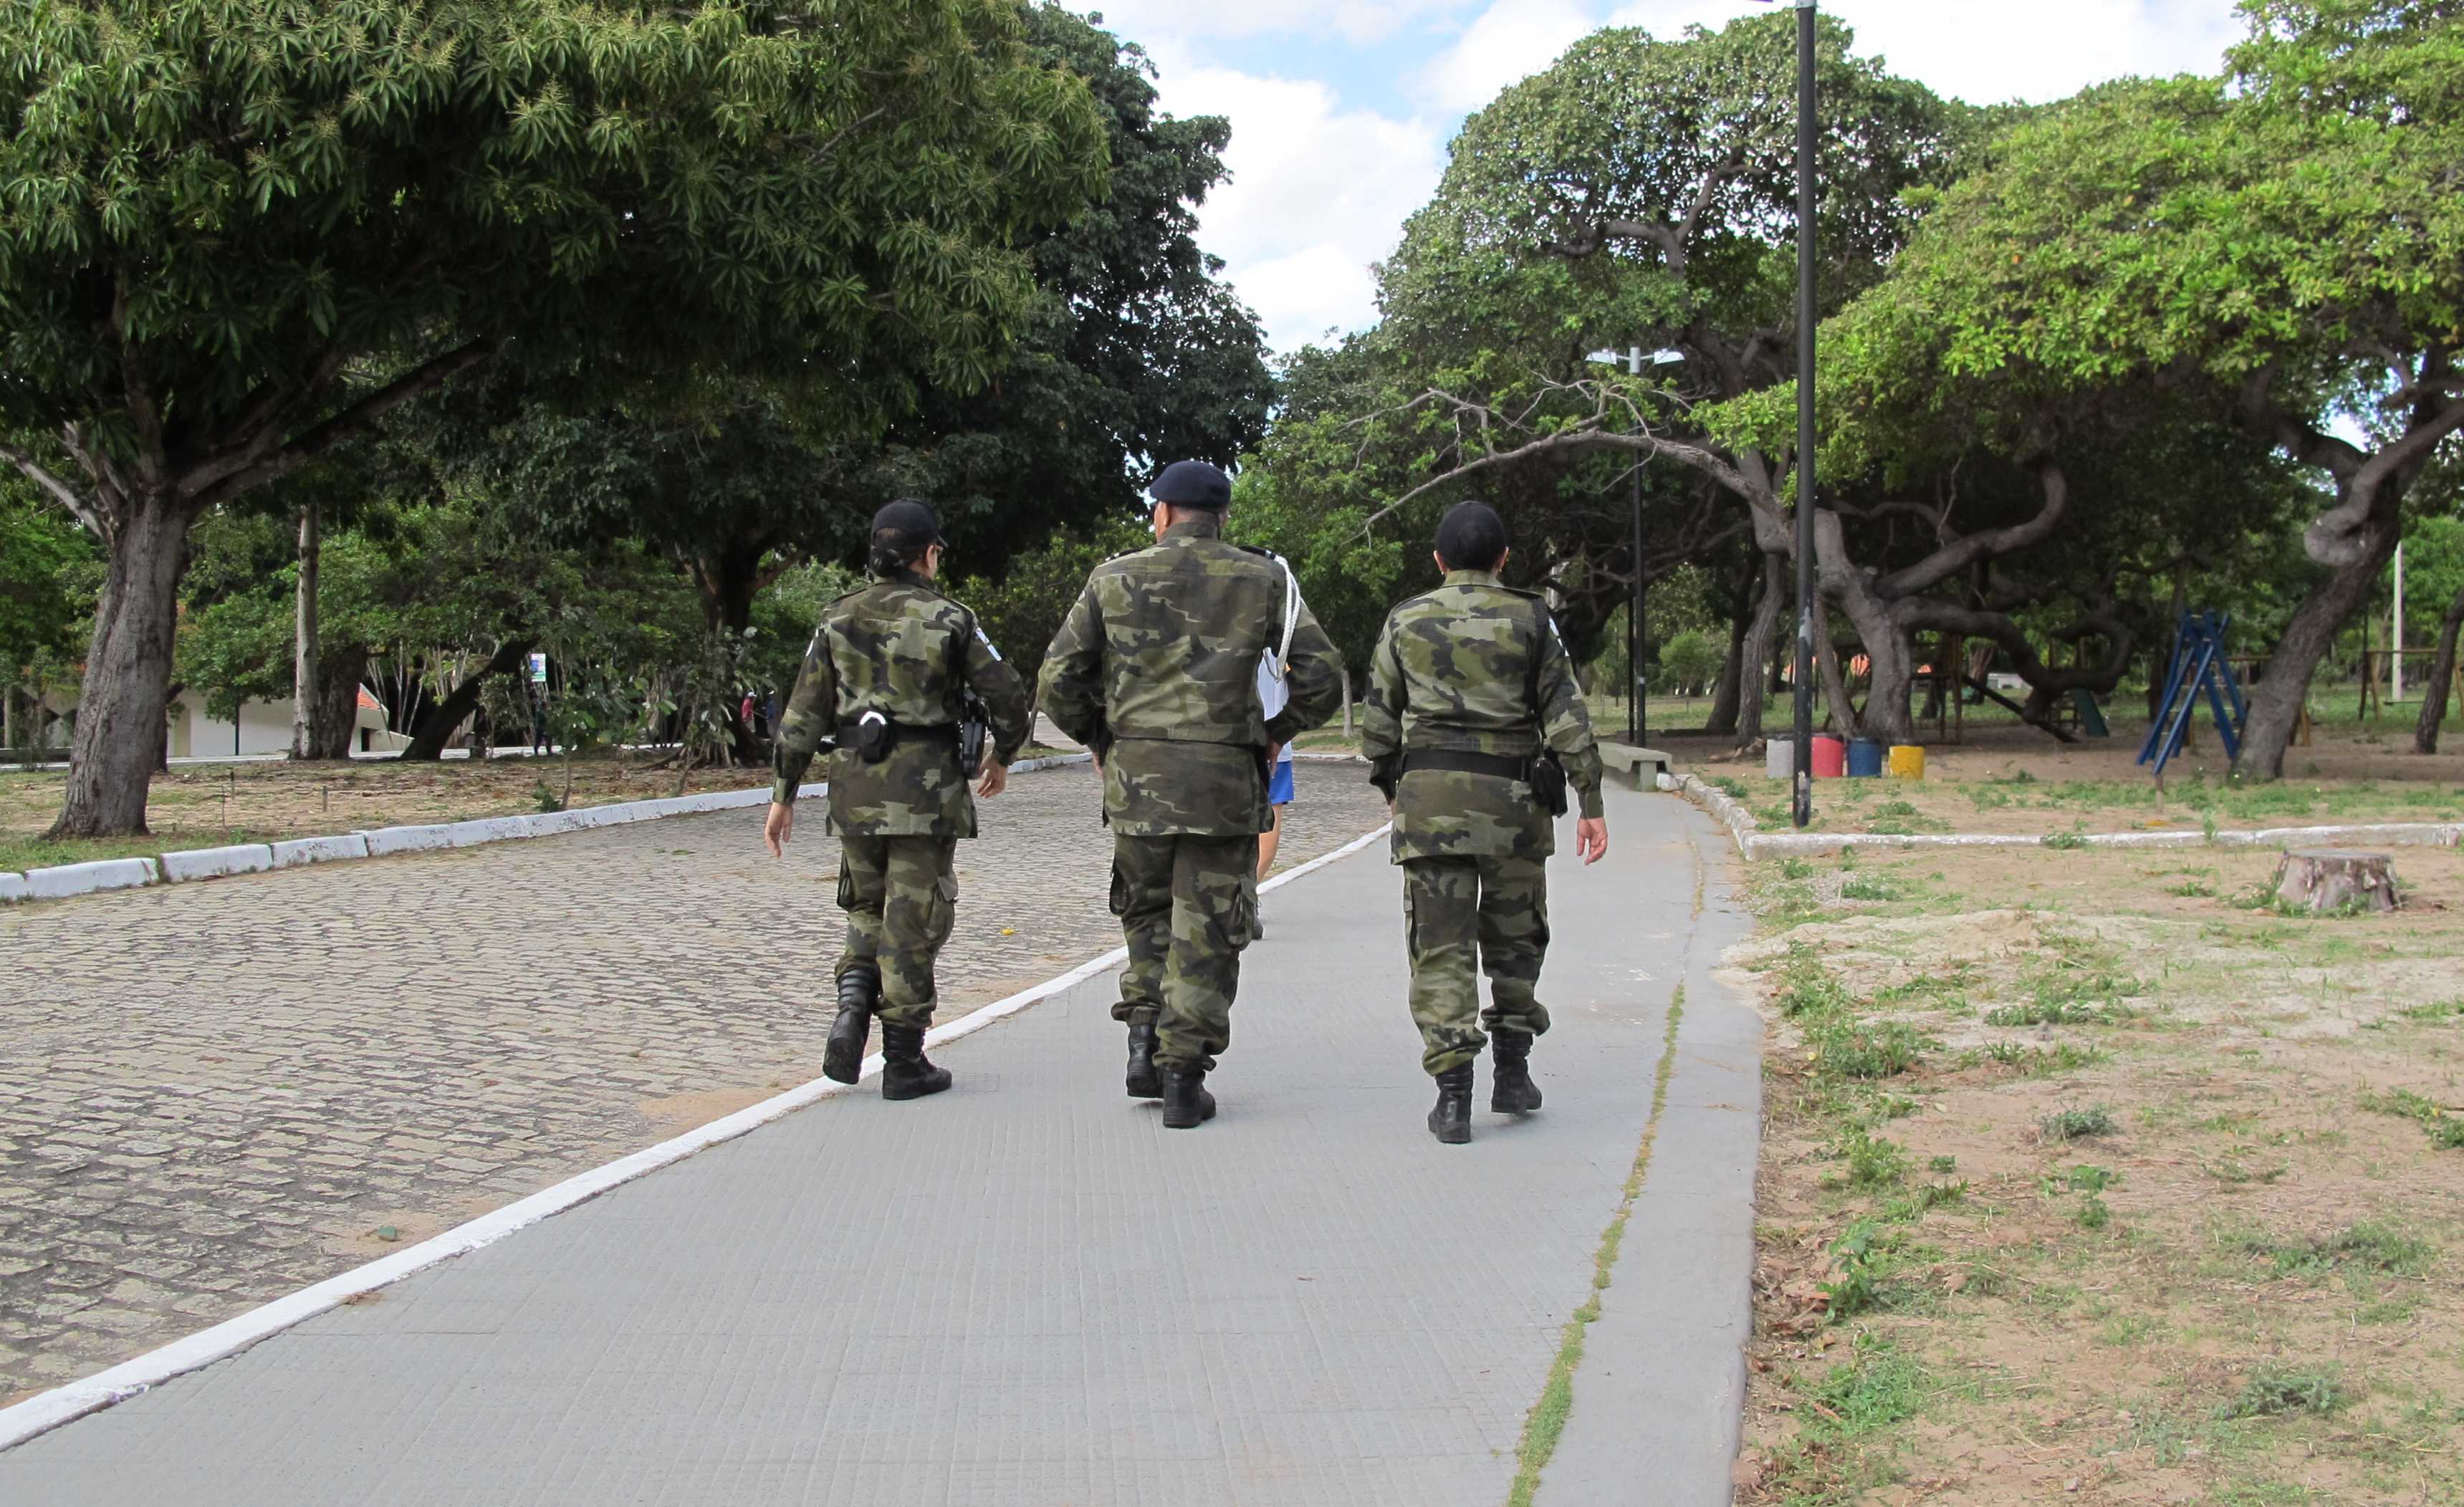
2442	675
1762	643
1730	689
446	711
336	715
119	739
1839	708
306	685
2275	704
729	578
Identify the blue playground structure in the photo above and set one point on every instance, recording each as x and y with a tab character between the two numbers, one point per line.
2199	665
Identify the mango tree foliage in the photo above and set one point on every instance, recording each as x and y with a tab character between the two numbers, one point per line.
236	234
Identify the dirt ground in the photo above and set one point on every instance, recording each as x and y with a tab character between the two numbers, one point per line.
2088	1177
2009	777
201	805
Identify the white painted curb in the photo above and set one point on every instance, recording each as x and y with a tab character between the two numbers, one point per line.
85	878
1752	843
216	863
319	851
13	886
61	1405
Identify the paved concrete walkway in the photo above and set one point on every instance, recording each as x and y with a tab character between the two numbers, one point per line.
1026	1291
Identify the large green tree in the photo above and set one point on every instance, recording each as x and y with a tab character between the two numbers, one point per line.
2274	249
236	234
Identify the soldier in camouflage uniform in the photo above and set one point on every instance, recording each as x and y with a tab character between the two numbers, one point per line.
1155	669
885	679
1468	686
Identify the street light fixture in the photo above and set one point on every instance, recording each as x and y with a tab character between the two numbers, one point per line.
1634	360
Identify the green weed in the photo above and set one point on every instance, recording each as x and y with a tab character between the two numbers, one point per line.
2446	1130
2273	1391
1883	1049
1872	1162
2369	1246
2074	1125
1871	886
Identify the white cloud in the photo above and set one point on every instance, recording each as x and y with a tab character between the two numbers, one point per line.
1322	185
1318	193
1511	40
1989	51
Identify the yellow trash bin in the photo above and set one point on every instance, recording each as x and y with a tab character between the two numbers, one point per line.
1907	761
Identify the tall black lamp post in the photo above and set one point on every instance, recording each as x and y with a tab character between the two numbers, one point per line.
1802	807
1636	723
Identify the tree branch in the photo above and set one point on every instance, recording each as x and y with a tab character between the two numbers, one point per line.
1962	554
358	420
61	492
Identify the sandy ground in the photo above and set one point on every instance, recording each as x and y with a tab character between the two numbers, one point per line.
2236	1284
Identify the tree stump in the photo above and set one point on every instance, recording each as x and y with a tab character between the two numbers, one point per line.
2322	880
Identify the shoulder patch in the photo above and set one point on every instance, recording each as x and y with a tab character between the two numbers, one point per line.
986	639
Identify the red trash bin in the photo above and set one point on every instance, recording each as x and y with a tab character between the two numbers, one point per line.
1829	756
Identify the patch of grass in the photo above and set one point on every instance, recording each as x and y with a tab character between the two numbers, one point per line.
1882	1049
2443	1010
1912	1205
2446	1130
2375	1245
2065	839
1807	988
2231	1170
1795	868
2077	1125
1872	1162
2038	1062
1879	1387
1900	818
1942	1164
1871	886
1733	789
2092	1213
1949	988
2274	1391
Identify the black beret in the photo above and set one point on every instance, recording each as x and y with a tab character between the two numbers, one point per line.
1192	484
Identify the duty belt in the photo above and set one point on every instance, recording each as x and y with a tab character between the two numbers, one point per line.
1463	761
905	732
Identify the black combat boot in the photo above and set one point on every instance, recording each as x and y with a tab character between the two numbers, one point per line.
1450	1120
859	997
1145	1083
1186	1103
1513	1093
905	1074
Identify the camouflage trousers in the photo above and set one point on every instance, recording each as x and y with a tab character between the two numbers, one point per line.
1188	905
900	895
1461	913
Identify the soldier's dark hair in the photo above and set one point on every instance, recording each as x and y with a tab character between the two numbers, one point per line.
901	532
1471	537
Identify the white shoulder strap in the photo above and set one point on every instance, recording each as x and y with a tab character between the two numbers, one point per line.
1291	615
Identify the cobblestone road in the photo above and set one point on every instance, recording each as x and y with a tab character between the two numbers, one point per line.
212	1094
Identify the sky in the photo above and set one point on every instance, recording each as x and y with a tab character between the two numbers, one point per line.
1341	109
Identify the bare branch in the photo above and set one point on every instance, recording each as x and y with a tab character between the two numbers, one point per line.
1962	554
352	423
61	492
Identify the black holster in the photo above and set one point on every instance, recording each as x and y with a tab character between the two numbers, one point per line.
1549	782
975	726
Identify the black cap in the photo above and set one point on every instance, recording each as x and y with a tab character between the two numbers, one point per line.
1471	537
1192	484
911	518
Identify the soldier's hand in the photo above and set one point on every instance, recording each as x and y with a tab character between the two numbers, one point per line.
996	779
778	828
1592	837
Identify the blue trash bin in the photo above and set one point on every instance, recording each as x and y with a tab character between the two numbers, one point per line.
1864	758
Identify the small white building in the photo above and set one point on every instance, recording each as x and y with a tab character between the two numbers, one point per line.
262	728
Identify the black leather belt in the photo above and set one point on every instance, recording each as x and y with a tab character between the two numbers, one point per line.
902	732
1463	761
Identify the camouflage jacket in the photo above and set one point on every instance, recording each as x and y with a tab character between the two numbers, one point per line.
891	648
1155	669
1454	669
